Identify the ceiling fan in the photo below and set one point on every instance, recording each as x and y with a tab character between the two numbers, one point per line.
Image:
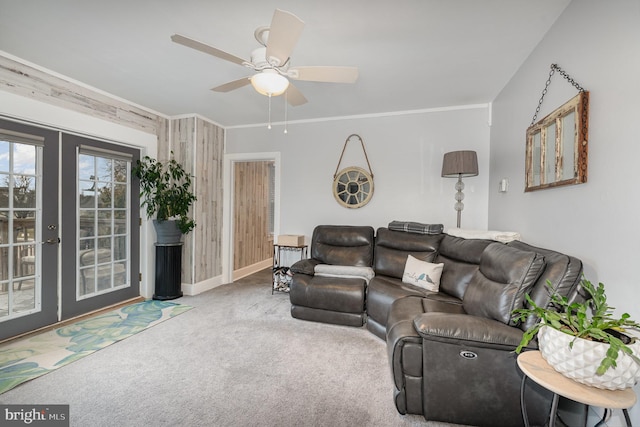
272	61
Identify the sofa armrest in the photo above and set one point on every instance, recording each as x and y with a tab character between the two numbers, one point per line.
305	266
472	330
470	375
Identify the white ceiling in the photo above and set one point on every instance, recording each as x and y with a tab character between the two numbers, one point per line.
411	54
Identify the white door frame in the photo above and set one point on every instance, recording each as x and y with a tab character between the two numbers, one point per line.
227	209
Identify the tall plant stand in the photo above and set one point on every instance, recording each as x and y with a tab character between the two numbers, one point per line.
537	369
168	271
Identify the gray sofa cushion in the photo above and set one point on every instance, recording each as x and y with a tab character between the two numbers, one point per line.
460	258
499	285
330	294
392	248
343	245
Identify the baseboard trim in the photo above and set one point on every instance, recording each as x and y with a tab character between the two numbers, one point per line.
253	268
200	287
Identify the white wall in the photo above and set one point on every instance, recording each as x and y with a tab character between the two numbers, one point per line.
598	44
405	152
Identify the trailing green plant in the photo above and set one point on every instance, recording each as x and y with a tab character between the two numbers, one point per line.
591	319
166	191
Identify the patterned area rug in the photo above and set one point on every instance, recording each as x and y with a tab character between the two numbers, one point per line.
25	359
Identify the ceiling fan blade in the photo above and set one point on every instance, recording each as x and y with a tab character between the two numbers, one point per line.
236	84
294	96
284	33
203	47
325	74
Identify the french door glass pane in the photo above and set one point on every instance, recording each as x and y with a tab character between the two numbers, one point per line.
103	225
20	216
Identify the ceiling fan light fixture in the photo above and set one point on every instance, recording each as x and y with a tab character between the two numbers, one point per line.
269	83
271	61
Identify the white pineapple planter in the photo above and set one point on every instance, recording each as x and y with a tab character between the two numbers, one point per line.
581	361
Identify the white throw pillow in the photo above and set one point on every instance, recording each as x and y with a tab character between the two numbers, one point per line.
423	274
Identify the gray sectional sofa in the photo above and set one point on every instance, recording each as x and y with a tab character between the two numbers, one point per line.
451	351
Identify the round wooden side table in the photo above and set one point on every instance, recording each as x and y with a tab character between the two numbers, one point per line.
537	369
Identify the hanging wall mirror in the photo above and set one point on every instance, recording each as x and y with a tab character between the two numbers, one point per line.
353	186
556	152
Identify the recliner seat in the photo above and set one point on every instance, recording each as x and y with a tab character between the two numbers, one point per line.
337	300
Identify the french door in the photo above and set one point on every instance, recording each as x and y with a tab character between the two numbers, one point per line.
100	219
28	228
69	227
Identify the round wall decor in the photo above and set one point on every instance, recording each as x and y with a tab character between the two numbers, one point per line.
353	186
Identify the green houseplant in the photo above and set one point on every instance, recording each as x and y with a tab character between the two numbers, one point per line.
590	320
166	188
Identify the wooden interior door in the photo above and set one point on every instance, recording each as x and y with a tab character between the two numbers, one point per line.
253	213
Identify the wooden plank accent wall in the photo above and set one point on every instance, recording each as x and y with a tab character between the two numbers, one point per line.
182	143
164	139
209	154
198	146
252	242
27	81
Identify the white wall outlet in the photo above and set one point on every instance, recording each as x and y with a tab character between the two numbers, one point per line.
504	185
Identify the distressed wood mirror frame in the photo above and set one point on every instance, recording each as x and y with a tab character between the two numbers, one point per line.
353	187
557	146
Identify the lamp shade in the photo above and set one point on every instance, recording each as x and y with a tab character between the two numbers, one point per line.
269	83
460	163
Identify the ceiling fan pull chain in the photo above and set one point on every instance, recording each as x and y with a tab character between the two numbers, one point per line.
285	112
269	125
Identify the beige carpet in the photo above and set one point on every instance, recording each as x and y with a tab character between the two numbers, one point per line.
237	358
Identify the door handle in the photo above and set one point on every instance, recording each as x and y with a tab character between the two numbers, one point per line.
53	241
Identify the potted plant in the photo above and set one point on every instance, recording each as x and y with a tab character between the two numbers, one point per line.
570	334
166	188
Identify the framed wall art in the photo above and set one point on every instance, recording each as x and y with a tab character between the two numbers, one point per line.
557	145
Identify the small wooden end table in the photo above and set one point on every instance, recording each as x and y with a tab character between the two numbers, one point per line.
536	368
